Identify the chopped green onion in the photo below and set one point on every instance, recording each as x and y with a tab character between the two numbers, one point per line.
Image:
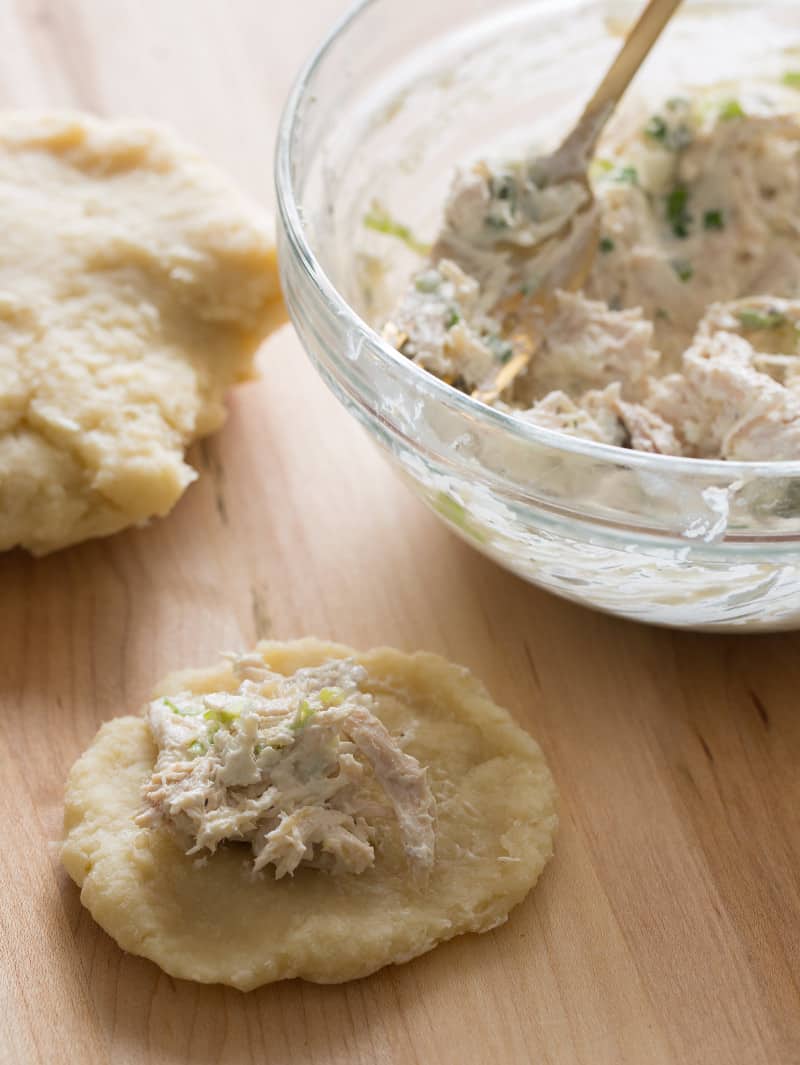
601	166
751	318
683	268
792	79
674	138
304	714
678	211
222	717
713	220
454	512
657	129
731	109
331	696
452	318
382	222
275	744
189	711
606	245
197	747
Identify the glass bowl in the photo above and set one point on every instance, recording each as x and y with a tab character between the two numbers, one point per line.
401	92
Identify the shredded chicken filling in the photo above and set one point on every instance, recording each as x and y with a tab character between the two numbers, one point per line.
300	768
683	337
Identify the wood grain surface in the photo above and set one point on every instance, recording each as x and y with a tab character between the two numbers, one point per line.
667	929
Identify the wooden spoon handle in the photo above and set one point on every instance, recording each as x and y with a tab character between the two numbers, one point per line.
637	45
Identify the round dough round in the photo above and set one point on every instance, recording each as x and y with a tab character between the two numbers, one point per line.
214	922
135	285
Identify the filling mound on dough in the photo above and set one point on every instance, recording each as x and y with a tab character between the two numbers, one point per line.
298	767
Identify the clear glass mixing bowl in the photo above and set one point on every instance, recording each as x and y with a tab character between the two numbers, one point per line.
399	93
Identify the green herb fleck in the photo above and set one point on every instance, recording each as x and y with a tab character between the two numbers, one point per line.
304	714
503	187
452	318
792	79
501	349
683	268
175	709
657	129
197	747
606	245
673	137
751	318
713	220
381	221
731	109
427	281
626	175
678	211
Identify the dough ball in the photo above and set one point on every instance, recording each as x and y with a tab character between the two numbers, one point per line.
136	284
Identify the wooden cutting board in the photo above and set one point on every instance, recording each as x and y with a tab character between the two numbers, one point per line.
667	928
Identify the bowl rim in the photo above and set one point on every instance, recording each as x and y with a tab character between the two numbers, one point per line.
524	431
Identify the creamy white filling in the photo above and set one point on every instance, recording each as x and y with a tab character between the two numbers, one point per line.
690	308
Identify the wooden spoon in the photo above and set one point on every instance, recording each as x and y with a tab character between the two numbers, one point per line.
570	162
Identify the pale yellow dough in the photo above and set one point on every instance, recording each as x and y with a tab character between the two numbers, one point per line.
135	285
214	923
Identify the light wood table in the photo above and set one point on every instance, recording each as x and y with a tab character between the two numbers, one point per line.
667	928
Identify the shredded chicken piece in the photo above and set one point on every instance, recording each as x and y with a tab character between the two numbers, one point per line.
442	325
558	411
644	429
404	781
298	767
722	405
345	839
588	346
